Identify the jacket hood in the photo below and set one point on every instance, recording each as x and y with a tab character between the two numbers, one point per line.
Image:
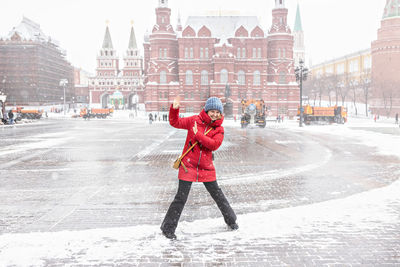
204	117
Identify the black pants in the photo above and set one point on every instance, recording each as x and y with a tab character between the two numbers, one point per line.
175	209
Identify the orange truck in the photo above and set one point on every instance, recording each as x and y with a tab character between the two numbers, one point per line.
28	113
96	113
253	112
335	114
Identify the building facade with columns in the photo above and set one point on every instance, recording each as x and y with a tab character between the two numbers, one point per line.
230	57
113	85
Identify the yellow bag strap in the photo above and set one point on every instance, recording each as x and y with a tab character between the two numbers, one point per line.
190	148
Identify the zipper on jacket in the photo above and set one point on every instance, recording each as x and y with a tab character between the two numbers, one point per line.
198	163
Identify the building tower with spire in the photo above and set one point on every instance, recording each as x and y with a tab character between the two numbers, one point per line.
179	24
161	61
280	62
132	71
107	59
385	52
111	86
298	34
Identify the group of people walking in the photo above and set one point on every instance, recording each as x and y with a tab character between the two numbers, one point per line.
154	118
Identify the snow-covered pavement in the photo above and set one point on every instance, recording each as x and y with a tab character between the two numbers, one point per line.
354	225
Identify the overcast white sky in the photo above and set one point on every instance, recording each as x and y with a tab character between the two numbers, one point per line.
332	27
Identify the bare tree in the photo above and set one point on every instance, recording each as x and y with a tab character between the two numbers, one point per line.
365	84
387	95
343	87
335	82
329	87
319	83
353	86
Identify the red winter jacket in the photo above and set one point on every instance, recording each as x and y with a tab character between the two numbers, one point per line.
198	162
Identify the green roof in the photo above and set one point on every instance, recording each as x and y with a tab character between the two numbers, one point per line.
297	25
392	9
107	40
132	40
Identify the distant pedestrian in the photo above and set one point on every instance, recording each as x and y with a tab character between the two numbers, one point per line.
375	118
11	116
397	118
150	118
5	117
197	165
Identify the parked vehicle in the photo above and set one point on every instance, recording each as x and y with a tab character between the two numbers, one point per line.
335	114
96	113
32	114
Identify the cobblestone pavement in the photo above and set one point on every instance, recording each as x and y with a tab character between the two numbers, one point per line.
79	175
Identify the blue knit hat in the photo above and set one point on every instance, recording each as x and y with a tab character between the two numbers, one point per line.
214	103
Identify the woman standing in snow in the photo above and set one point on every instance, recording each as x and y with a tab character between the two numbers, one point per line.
197	165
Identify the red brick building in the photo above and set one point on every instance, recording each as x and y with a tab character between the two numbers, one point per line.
385	98
230	57
81	85
31	67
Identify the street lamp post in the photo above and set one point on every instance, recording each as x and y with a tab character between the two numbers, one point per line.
63	83
301	75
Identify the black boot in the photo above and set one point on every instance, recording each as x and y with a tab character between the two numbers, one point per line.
233	226
168	235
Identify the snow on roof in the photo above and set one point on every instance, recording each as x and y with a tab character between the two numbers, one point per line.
222	27
30	30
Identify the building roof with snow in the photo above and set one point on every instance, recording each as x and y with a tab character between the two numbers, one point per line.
222	27
30	30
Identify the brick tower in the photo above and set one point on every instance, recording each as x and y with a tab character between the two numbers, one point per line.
161	56
281	63
385	97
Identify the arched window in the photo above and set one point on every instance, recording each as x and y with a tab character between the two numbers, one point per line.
204	77
282	77
256	78
189	77
241	77
238	52
224	76
163	77
191	52
186	52
243	52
